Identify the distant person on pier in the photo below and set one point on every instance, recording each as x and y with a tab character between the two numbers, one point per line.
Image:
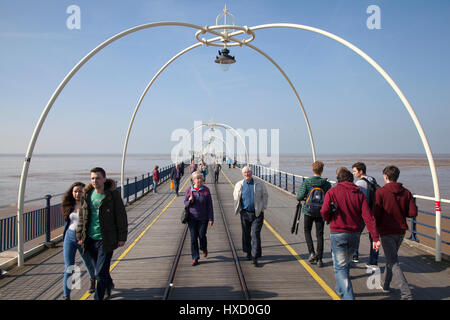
155	177
182	168
70	207
229	163
204	169
201	215
343	207
176	175
102	227
192	167
393	204
368	186
250	200
217	168
313	190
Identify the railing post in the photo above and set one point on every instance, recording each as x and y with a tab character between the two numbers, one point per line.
47	218
279	180
413	227
135	188
293	184
286	182
128	190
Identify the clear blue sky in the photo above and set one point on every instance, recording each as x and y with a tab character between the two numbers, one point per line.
351	107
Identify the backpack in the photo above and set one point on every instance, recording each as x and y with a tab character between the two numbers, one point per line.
314	201
372	188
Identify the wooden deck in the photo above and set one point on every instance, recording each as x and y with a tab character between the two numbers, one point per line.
141	268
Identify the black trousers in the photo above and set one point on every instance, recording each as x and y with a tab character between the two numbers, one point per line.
308	223
251	233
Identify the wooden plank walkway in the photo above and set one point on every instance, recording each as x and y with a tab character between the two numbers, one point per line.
141	268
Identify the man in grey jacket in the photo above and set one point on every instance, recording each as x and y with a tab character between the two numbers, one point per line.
250	199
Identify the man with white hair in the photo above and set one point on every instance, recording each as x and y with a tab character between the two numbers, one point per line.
250	198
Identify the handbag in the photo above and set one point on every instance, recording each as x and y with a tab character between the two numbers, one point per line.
185	215
171	185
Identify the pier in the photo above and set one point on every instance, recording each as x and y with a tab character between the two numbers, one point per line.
148	268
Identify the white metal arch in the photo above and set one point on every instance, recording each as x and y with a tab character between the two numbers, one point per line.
61	86
224	126
125	147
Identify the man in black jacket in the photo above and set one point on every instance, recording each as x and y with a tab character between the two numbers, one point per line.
102	227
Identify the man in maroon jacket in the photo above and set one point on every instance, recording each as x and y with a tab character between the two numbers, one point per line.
393	204
343	207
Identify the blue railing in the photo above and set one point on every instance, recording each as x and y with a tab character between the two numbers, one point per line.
290	182
43	221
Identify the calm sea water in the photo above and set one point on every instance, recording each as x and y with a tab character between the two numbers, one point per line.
53	174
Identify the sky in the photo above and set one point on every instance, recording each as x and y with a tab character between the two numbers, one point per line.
351	108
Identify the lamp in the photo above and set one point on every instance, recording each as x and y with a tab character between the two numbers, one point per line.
224	59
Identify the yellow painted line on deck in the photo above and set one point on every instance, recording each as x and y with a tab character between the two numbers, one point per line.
315	276
87	294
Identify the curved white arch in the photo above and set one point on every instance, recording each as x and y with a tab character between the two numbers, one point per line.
308	126
56	93
222	125
405	102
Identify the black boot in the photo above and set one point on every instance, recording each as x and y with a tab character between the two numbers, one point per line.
108	291
92	287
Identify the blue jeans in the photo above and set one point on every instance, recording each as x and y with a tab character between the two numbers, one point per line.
342	247
155	184
198	230
251	233
70	248
373	257
102	261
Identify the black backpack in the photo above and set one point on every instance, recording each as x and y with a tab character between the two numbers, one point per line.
372	188
314	201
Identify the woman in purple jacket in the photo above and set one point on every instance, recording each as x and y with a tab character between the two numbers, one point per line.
198	198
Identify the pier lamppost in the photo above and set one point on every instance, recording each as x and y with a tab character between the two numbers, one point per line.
228	37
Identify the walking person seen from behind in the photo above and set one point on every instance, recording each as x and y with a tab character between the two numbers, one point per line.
201	215
368	186
343	207
70	208
393	204
313	190
102	227
155	178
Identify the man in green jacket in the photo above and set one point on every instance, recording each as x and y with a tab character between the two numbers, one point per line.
102	227
311	217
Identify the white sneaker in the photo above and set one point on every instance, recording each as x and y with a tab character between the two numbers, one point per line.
382	289
372	266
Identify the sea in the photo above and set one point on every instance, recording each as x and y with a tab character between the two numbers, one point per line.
54	173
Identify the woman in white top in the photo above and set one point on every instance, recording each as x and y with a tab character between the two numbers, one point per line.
70	207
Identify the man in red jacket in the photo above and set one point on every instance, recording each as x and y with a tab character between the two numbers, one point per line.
343	207
393	204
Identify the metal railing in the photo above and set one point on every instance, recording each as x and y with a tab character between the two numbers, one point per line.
289	182
44	220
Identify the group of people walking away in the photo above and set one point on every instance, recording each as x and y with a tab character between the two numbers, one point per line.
96	221
350	207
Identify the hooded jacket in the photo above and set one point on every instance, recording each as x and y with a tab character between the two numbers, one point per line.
112	217
351	206
393	204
